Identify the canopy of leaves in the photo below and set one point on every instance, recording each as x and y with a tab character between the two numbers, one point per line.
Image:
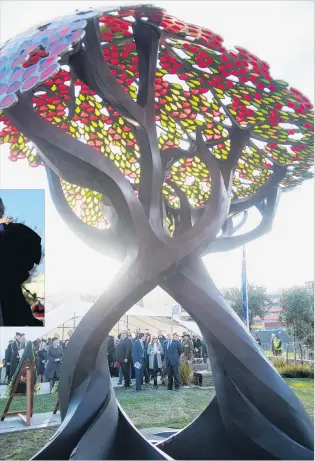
199	84
258	301
298	314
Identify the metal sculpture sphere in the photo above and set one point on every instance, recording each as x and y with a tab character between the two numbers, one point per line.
154	137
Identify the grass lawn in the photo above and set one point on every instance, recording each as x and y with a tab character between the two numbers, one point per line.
151	408
304	390
284	354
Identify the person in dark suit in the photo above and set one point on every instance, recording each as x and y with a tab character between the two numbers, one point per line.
139	358
132	370
173	350
162	339
41	357
7	359
54	357
20	249
15	354
123	356
111	355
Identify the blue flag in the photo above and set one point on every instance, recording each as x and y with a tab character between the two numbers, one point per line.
244	290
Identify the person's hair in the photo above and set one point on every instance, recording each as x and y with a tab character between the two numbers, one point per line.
2	208
175	334
54	338
154	337
141	335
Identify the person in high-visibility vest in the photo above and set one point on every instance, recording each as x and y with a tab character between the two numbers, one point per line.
277	346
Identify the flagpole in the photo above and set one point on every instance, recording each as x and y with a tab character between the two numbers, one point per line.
245	290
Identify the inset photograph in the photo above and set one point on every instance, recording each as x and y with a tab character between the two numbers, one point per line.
22	268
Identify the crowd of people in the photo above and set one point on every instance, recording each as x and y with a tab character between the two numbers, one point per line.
142	356
139	357
48	357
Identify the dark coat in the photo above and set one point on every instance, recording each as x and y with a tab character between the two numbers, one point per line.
15	358
53	368
7	355
172	353
20	249
162	340
138	352
111	349
124	350
7	360
42	355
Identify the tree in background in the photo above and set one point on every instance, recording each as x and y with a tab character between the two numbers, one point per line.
298	314
258	301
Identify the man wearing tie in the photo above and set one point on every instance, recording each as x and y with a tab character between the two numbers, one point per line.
173	351
139	357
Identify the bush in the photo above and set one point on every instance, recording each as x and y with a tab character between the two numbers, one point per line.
278	362
186	373
293	370
296	370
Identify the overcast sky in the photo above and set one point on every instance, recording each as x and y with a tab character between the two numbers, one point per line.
280	32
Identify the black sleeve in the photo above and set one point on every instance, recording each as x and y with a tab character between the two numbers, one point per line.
25	248
14	350
110	345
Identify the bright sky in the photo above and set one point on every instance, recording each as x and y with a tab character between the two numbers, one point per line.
280	32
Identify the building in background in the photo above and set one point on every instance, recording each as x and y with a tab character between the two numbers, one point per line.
310	286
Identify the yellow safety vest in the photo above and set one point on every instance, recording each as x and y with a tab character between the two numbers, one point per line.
277	345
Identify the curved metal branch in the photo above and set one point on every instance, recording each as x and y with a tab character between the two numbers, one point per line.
78	163
184	211
147	39
241	223
91	68
105	241
243	204
268	214
228	229
214	215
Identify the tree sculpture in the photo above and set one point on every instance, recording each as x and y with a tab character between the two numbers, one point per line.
155	137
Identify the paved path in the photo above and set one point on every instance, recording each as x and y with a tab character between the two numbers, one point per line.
44	420
38	421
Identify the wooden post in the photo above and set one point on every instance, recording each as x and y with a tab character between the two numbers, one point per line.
28	412
30	370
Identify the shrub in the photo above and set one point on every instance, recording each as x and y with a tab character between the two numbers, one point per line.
296	370
185	373
278	362
293	370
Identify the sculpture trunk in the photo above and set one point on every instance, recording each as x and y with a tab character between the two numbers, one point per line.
254	415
